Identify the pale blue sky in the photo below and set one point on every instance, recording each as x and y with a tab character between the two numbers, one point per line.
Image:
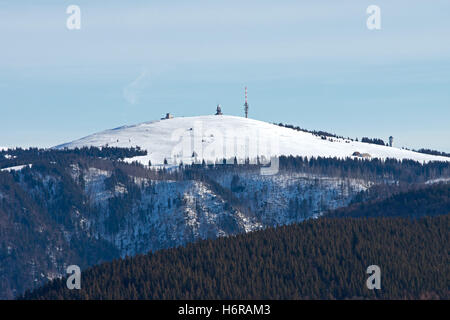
308	63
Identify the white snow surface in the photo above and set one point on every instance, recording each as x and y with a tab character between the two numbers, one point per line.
212	138
16	168
439	180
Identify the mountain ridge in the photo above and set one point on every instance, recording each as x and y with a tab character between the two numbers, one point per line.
216	137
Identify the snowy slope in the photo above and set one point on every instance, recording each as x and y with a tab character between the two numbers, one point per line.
166	214
213	138
171	213
15	168
273	198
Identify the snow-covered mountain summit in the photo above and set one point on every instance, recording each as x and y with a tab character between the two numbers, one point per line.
215	137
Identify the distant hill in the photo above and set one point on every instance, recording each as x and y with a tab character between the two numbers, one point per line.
213	138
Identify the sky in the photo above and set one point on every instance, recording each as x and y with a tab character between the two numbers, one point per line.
314	64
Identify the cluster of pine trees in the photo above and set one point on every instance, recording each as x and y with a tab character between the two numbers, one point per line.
373	141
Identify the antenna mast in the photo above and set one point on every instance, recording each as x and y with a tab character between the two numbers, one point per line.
246	103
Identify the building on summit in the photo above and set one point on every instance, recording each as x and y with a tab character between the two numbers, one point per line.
168	116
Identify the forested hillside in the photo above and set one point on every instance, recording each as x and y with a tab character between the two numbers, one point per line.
317	259
425	201
87	206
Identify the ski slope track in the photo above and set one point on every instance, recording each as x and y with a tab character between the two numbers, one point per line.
215	137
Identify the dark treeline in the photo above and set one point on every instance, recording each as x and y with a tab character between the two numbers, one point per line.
319	133
19	156
433	152
317	259
373	141
325	135
376	170
423	201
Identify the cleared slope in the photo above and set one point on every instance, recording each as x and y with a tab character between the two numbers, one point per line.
212	138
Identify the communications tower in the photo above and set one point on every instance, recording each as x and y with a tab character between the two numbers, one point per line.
246	103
